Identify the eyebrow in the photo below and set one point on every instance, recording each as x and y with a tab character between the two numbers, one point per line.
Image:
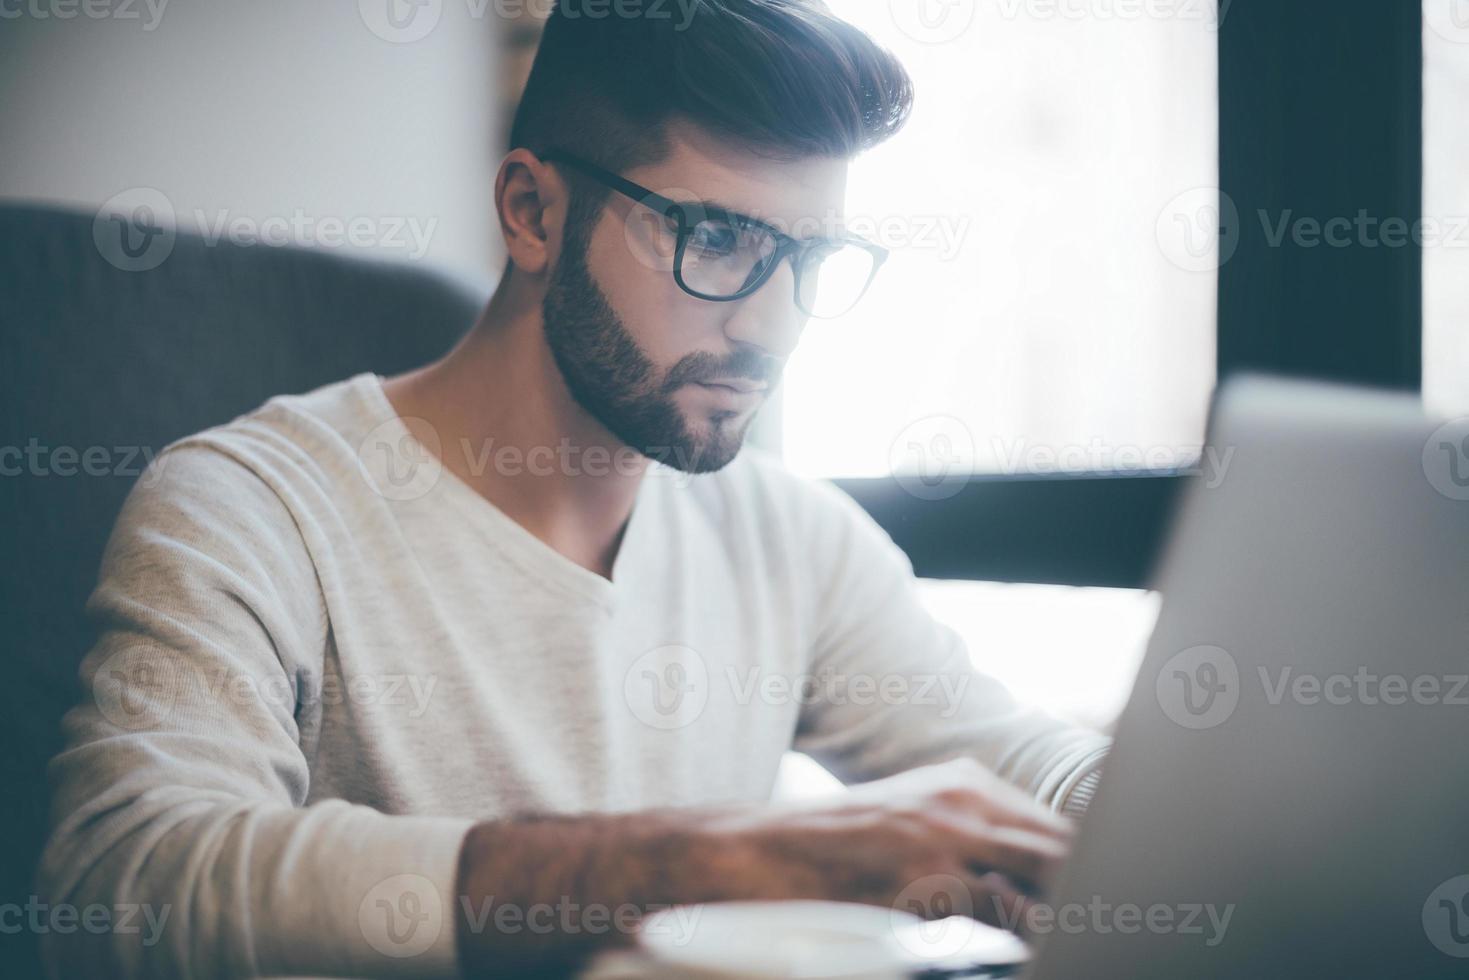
712	204
627	186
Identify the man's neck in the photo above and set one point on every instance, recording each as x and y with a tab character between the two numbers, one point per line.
509	428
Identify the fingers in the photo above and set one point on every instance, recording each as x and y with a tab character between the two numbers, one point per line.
1030	860
970	787
997	902
991	898
1013	808
1026	858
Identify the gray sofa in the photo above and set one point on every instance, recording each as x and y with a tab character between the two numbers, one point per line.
97	363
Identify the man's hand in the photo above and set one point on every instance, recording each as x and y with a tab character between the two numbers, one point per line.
907	842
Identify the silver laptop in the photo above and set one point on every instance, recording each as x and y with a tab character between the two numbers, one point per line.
1289	791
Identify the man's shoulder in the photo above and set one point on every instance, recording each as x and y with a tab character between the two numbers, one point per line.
288	436
288	448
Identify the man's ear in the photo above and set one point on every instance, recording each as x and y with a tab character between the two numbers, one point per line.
531	199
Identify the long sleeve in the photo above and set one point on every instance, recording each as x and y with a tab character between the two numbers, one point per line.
182	790
899	688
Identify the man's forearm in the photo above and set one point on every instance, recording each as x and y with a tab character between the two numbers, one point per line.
538	895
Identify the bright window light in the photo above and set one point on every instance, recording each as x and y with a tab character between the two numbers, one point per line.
1051	211
1446	204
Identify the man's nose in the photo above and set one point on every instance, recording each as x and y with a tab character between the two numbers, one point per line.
769	317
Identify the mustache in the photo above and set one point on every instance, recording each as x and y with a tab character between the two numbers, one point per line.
702	366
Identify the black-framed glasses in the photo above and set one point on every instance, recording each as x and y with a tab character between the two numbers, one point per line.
722	255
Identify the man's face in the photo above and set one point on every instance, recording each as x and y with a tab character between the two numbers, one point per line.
673	376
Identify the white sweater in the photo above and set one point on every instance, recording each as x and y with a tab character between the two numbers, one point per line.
321	657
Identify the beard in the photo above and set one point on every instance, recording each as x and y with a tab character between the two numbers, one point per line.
611	378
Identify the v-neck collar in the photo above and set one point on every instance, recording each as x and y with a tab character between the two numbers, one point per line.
518	544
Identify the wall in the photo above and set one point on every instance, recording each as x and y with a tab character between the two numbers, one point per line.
319	123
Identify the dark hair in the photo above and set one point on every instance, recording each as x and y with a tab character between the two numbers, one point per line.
785	78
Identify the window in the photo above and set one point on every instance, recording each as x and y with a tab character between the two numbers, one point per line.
1445	206
1042	309
1050	304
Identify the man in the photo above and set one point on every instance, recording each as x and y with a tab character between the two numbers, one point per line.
442	672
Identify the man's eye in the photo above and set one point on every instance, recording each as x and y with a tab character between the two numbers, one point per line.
714	238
